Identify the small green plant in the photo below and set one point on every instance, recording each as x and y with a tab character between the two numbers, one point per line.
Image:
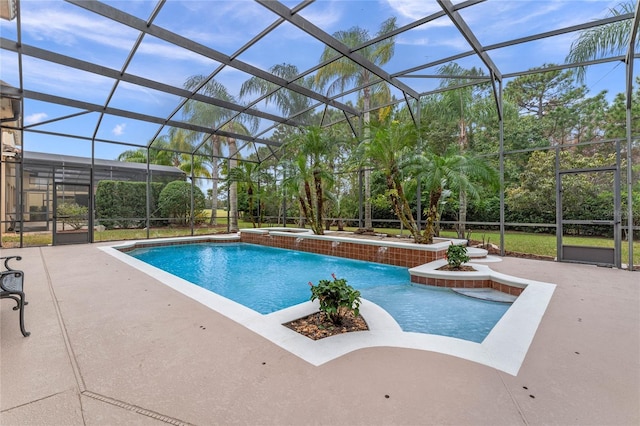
337	298
457	255
73	214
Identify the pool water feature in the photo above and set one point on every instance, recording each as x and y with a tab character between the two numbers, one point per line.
268	279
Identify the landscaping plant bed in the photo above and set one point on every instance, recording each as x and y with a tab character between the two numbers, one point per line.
463	268
316	326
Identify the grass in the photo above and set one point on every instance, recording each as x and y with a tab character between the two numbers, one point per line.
29	240
522	242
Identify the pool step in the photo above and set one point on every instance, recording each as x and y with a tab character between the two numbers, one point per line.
489	294
476	252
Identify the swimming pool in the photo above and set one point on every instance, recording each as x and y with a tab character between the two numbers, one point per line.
268	279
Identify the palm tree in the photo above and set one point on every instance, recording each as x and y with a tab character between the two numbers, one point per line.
216	117
161	154
344	72
170	149
238	128
307	155
288	102
453	171
136	156
458	105
211	151
610	39
250	174
390	143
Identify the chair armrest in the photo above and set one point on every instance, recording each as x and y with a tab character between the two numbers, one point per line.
9	283
7	259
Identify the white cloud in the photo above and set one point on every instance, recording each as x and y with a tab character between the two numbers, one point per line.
457	42
69	28
518	18
172	52
35	118
220	24
118	130
414	9
326	18
63	81
419	41
534	17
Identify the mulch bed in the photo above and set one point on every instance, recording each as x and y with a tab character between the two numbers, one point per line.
461	268
316	326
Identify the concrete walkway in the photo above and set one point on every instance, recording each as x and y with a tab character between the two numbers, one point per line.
111	346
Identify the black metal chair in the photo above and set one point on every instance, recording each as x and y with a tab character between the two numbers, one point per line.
12	287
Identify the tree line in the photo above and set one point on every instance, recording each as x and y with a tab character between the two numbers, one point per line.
448	156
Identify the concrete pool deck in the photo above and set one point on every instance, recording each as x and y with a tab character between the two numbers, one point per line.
110	345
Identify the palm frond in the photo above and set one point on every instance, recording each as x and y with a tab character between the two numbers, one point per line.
606	40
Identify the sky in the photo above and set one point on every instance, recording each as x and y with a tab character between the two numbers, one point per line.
226	26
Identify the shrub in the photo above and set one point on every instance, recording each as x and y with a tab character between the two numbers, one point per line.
457	255
73	214
336	298
175	201
123	204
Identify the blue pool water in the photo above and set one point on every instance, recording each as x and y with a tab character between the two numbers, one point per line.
268	279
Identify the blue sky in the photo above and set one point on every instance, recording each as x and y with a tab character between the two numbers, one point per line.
227	25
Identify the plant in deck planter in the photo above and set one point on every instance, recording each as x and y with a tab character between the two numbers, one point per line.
456	256
337	298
